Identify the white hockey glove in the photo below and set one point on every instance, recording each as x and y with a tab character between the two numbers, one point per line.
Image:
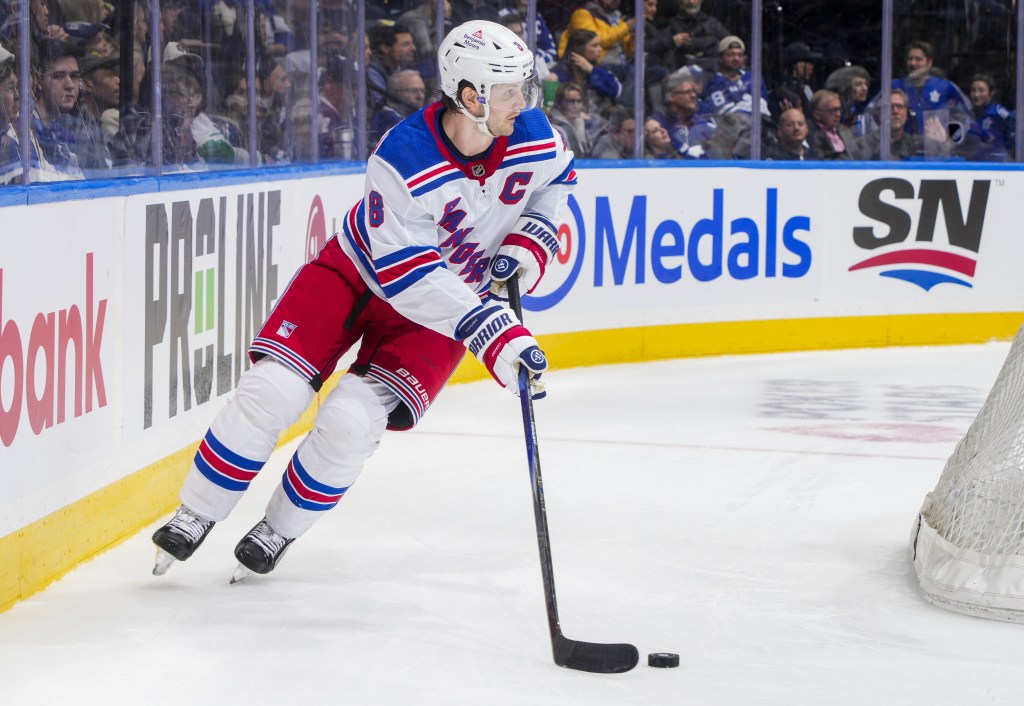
526	251
494	335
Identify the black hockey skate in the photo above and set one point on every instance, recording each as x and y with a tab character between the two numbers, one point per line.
259	550
179	538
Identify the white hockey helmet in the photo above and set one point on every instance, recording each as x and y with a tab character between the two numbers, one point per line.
486	55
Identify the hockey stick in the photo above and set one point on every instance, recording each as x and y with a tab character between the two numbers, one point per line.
573	654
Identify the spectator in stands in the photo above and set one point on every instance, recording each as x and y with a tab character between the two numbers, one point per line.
731	139
139	68
568	115
178	54
988	137
581	66
792	138
658	145
728	90
82	11
300	124
829	139
406	94
272	101
853	85
267	42
336	123
179	146
617	140
927	89
57	83
700	36
547	48
99	97
422	24
171	29
688	131
393	49
466	10
236	105
602	17
195	138
515	22
933	144
101	85
40	27
796	88
11	167
89	38
659	42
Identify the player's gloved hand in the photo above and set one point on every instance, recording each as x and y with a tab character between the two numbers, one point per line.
524	252
494	335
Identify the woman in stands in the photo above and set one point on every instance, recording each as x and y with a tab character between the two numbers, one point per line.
989	136
579	65
568	116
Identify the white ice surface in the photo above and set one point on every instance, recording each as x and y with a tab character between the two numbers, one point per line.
750	513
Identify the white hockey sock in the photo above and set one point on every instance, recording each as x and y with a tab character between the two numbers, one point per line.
348	429
269	399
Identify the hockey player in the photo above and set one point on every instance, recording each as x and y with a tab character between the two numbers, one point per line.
458	198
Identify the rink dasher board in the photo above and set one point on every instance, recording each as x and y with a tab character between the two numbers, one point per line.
125	308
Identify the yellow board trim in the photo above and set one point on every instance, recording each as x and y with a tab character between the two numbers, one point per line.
37	555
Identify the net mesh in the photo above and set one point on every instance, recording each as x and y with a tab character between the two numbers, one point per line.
978	503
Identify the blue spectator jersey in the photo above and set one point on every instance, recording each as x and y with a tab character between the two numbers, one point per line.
58	145
936	93
688	140
992	131
600	79
723	95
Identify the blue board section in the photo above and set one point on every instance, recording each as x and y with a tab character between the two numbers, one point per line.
128	186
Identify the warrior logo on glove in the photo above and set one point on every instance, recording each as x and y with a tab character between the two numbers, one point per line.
528	250
495	336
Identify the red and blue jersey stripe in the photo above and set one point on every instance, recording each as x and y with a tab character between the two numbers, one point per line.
401	269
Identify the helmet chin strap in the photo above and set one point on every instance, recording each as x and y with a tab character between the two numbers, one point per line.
481	123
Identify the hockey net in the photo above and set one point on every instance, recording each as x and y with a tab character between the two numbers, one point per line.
968	540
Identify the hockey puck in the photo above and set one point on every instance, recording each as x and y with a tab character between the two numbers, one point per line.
662	659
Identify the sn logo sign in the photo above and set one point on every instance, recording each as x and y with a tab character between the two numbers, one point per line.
916	255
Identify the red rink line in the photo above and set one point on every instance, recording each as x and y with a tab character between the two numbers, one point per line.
696	447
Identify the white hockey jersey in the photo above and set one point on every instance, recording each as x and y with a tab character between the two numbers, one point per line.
429	222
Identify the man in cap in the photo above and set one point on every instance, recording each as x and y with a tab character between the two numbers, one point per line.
99	98
101	84
796	88
729	90
178	53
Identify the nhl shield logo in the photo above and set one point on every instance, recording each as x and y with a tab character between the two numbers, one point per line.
478	170
286	328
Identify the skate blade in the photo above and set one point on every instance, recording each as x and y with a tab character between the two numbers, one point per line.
241	573
163	562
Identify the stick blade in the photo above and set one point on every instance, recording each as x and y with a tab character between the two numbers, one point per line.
600	658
